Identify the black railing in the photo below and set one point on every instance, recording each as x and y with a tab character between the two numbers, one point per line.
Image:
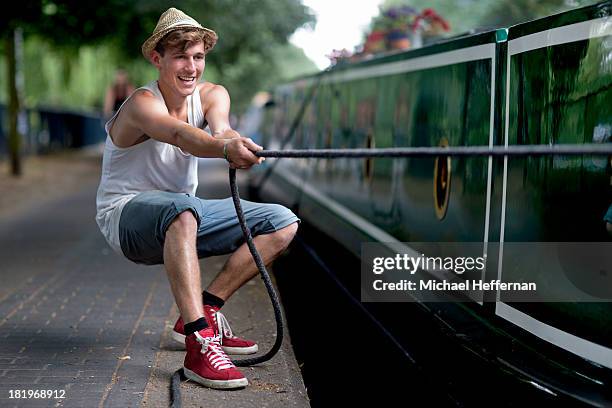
48	129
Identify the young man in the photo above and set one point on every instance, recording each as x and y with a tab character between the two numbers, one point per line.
146	204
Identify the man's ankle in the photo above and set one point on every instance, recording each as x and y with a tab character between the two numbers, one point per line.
196	325
212	300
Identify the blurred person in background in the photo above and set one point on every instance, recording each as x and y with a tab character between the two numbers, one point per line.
117	93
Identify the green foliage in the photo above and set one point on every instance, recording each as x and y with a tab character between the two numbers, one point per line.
462	15
285	62
75	80
72	49
467	15
292	62
506	13
249	35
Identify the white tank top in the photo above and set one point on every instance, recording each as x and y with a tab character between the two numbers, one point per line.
149	165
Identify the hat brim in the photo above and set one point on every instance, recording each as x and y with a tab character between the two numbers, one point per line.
210	38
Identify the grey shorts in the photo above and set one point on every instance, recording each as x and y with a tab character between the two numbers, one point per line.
145	219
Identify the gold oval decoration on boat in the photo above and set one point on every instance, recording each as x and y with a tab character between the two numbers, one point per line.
442	182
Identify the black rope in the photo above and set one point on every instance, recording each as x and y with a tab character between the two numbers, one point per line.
515	150
175	383
497	151
264	275
175	388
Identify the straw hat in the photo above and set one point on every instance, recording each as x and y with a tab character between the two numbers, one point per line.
171	20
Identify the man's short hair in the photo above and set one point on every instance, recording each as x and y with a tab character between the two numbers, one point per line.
182	39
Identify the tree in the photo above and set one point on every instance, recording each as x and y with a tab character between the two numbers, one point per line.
13	47
249	33
506	13
10	29
67	24
477	15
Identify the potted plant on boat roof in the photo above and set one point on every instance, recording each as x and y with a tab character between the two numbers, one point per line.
339	56
430	25
375	39
399	21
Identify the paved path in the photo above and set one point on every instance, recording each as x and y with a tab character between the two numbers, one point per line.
81	320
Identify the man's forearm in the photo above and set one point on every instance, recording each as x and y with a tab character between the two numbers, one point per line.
227	133
198	142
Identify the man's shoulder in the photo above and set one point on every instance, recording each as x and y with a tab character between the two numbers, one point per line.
210	92
143	94
206	87
127	127
143	98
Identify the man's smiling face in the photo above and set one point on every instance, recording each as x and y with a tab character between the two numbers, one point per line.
180	70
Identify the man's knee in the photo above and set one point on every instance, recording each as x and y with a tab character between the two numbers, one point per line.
285	235
184	223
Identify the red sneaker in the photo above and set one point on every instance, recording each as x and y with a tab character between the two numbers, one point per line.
231	344
207	364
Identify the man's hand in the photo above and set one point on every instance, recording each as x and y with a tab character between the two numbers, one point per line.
240	152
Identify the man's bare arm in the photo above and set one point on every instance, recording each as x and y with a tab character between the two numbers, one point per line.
150	116
217	104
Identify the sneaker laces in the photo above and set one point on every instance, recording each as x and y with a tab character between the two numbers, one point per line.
211	348
223	326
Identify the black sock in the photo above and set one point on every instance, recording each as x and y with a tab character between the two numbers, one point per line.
195	326
212	300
